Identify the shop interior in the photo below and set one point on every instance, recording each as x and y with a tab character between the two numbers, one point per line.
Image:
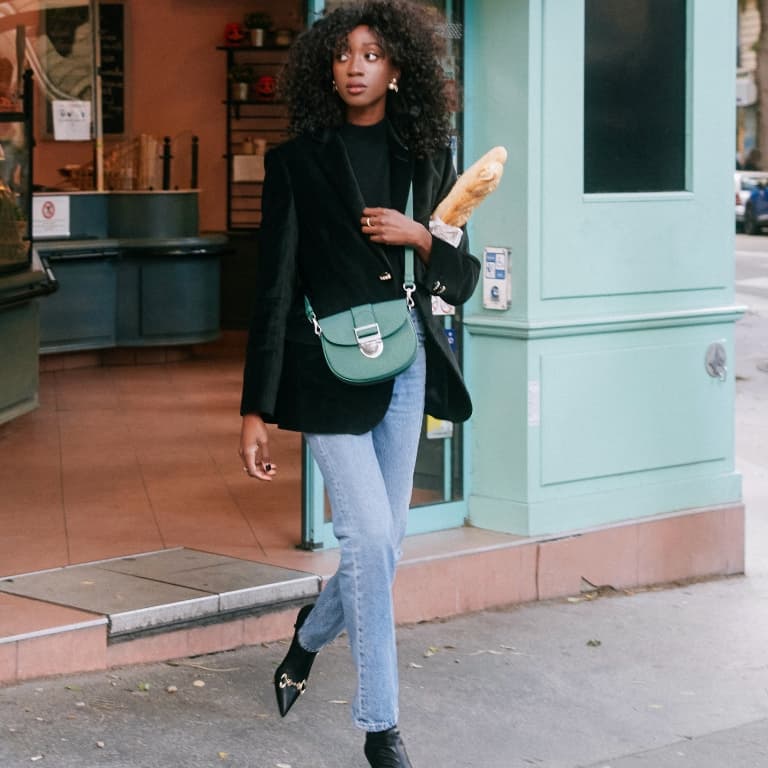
131	444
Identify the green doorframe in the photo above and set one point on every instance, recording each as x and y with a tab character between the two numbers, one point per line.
316	530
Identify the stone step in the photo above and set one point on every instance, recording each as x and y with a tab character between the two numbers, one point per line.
165	590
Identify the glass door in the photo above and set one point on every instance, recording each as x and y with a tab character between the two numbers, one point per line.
438	496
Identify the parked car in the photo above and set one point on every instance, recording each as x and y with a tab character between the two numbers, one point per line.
747	183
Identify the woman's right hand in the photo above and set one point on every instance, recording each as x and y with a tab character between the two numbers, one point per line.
254	447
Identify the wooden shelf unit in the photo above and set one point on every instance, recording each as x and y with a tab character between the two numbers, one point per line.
256	118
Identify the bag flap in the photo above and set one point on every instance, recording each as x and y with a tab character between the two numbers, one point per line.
388	315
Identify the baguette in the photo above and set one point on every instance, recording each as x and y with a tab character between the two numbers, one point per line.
471	188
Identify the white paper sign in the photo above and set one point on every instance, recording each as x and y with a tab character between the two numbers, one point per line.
50	216
534	403
71	120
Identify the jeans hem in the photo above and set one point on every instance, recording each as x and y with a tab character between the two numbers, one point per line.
304	647
383	725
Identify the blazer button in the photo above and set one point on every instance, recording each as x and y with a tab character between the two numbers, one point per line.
438	288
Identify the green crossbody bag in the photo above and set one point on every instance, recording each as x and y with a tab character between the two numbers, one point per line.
370	342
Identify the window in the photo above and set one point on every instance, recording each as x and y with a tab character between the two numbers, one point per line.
634	95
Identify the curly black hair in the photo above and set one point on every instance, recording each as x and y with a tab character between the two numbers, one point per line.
409	35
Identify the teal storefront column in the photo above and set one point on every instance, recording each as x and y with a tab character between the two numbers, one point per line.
594	403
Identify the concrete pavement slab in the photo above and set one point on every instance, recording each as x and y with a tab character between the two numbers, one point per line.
743	747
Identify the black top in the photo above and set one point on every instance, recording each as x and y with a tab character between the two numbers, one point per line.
368	150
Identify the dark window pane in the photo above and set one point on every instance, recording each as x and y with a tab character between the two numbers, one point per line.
634	95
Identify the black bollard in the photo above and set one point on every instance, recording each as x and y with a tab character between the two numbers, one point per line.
195	151
167	157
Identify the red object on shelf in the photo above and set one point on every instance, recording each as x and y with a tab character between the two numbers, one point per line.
265	87
234	34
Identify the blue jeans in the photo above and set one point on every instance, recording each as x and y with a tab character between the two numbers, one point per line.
369	479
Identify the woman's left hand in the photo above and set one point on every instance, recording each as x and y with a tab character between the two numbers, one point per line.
390	227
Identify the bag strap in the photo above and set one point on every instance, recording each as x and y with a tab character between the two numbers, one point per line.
409	284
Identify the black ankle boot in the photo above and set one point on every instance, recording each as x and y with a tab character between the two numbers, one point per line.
385	749
291	676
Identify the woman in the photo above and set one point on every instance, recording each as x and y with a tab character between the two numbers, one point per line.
368	117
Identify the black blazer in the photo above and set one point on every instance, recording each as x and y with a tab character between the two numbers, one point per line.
311	241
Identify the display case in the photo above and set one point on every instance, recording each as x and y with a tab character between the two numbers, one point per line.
15	181
23	277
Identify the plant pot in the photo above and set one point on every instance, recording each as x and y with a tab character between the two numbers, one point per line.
257	37
239	91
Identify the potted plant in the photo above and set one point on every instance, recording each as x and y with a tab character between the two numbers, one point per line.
257	22
240	77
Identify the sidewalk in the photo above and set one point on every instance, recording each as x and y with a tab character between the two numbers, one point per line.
670	678
660	678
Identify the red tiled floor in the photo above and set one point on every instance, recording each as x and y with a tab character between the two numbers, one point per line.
21	616
131	458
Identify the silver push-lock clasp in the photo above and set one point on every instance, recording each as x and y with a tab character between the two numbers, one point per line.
369	340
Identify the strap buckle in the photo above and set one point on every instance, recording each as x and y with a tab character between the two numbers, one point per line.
409	288
315	324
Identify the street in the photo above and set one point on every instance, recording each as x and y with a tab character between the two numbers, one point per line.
640	679
752	271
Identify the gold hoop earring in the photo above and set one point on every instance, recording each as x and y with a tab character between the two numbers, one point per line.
393	85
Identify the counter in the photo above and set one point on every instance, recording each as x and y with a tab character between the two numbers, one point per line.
140	291
132	267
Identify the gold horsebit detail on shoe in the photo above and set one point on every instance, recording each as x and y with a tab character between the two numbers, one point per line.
286	682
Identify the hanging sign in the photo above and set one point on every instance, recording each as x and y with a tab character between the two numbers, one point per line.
71	120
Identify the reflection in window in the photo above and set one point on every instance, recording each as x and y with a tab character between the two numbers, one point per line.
634	95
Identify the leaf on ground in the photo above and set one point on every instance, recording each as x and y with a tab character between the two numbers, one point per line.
282	765
414	665
100	744
199	683
223	755
488	650
171	689
144	686
338	701
594	643
73	687
431	651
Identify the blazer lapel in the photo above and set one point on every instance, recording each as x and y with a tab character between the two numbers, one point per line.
333	160
401	167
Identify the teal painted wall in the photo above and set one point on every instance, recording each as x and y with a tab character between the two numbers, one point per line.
592	401
496	94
